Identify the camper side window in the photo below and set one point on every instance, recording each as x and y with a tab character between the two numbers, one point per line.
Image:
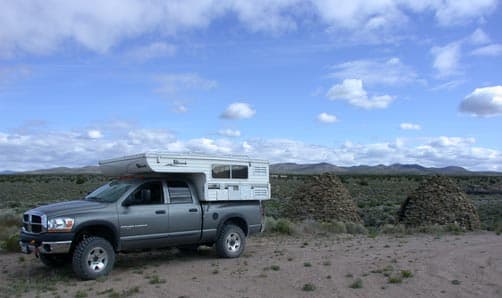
230	171
179	192
239	172
221	171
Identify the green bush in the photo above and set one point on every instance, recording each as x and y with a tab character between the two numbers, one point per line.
393	229
336	227
280	226
355	228
11	244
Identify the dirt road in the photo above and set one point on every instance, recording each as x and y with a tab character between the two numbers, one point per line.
468	265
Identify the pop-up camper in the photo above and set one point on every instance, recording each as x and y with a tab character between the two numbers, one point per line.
217	178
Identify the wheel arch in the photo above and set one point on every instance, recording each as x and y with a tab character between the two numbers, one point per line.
97	228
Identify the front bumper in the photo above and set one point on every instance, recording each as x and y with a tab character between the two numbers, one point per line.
53	243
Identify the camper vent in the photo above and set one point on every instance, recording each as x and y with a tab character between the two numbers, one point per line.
260	193
260	171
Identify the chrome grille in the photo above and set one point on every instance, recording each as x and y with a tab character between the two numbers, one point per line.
33	223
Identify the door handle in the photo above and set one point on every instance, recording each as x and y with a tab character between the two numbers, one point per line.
192	210
160	212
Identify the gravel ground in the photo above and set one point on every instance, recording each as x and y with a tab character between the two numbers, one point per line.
468	265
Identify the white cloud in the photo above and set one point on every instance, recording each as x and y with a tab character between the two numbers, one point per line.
238	110
479	37
94	134
326	118
460	11
390	71
44	26
489	50
180	108
172	83
486	101
35	149
410	126
151	51
446	59
352	90
229	133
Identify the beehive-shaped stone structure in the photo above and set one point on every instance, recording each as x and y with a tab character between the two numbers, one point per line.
439	201
323	198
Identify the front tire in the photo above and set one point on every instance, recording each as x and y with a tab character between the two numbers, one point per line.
231	242
93	257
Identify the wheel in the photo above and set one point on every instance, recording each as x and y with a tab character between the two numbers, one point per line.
231	242
93	257
54	261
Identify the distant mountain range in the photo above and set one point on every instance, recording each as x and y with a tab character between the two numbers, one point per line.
305	169
395	169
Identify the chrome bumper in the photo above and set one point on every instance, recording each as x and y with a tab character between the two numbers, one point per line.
46	247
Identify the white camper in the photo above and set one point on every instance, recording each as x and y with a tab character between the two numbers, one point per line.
217	178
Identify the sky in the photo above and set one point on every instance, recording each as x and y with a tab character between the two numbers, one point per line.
346	82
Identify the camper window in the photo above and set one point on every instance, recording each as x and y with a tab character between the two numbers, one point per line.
221	171
230	172
239	172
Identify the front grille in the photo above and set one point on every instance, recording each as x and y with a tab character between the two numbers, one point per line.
33	223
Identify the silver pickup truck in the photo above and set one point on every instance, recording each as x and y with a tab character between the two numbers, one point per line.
134	214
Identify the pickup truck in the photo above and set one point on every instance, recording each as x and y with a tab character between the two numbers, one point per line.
134	214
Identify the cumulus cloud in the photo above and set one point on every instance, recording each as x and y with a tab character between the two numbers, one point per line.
326	118
486	101
489	50
410	126
389	71
238	110
44	26
479	37
352	91
446	59
94	134
229	132
151	51
35	149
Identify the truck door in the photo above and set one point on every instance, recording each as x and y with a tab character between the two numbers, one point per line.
185	214
145	222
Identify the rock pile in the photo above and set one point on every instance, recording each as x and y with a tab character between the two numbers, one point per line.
323	198
439	201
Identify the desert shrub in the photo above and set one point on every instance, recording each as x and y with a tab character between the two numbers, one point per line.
336	227
355	228
11	243
454	228
280	226
8	219
80	180
308	287
357	284
393	229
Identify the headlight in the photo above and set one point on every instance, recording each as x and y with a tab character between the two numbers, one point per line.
60	224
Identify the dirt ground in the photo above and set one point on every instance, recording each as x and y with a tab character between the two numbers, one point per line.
468	265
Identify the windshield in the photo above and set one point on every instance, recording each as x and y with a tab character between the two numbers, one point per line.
109	192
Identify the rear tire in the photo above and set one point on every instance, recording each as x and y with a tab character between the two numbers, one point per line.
55	260
231	242
93	257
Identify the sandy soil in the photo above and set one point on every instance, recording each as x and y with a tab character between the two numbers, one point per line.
469	265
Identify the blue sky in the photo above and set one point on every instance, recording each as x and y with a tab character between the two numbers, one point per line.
345	82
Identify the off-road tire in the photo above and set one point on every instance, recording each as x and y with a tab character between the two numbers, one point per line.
93	257
55	260
231	242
